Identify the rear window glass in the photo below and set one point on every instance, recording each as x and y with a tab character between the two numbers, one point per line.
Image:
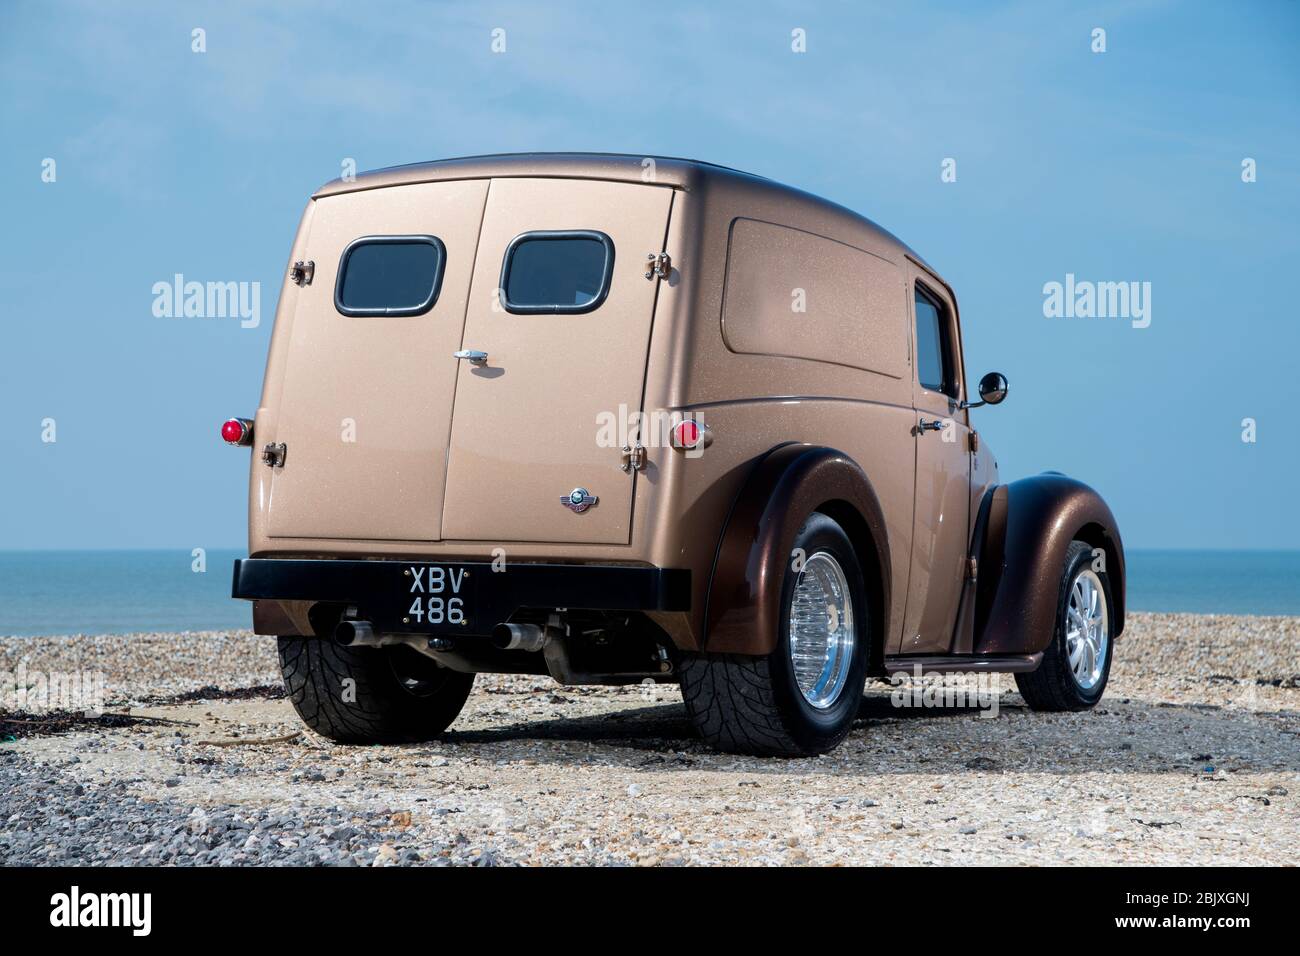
390	275
556	272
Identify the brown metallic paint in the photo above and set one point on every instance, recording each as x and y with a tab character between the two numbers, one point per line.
963	640
941	500
785	487
275	617
1030	524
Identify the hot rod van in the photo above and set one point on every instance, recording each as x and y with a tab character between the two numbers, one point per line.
619	419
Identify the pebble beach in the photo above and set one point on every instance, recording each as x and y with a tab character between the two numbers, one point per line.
1192	758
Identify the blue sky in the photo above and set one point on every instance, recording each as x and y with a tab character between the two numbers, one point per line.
1115	166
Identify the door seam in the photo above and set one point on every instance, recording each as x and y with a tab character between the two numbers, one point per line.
645	363
455	383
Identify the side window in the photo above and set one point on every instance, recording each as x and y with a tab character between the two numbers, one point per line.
556	272
933	346
390	275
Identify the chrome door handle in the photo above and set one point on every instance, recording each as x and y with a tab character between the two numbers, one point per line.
474	355
924	426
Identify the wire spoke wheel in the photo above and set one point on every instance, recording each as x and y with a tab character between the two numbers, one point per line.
822	635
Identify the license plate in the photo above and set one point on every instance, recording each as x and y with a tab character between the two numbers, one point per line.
438	598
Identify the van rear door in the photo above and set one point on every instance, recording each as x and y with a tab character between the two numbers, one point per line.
365	407
560	305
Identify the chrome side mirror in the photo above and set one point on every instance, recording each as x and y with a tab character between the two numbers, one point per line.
993	389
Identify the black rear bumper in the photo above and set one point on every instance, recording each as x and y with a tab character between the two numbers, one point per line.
399	595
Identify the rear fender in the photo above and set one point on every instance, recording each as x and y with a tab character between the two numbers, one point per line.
788	484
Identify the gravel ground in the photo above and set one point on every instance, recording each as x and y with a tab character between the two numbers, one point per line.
1192	758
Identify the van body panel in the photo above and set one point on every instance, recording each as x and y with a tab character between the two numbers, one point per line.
800	295
266	418
876	437
366	402
527	426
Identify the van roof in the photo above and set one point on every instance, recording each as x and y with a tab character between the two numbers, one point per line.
686	174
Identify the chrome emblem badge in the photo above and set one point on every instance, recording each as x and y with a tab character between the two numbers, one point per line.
578	500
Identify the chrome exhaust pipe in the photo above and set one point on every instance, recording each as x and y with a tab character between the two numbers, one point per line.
351	633
519	637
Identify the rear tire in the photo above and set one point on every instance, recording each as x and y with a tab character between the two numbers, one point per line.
769	706
1059	685
367	695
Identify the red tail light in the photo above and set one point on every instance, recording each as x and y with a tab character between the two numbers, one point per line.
689	434
237	431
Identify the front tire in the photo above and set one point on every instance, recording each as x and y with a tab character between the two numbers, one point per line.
368	695
1076	665
801	699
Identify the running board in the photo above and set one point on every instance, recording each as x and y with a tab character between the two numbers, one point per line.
962	664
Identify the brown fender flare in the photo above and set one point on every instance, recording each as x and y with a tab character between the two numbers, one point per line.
786	485
1028	527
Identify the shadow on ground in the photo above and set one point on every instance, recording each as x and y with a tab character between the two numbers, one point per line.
1123	737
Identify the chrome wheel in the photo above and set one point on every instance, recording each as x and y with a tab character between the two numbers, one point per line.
1087	629
822	632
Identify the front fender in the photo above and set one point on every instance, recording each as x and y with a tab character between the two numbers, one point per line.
788	484
1028	528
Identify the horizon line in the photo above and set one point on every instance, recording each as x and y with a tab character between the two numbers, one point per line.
190	548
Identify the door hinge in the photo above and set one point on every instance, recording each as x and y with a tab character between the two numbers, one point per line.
302	272
972	569
658	266
634	458
273	454
974	440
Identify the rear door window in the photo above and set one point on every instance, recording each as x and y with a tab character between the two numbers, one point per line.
390	275
556	272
